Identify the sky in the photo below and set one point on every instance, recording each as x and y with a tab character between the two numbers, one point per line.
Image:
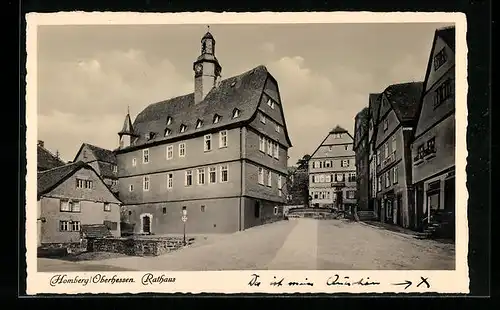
89	75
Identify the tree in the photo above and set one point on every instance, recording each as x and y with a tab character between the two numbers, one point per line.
303	161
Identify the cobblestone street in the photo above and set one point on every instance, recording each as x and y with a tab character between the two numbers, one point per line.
302	244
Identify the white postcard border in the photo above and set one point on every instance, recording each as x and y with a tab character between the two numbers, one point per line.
456	281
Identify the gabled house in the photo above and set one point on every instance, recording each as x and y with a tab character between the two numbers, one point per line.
45	159
69	197
218	154
373	109
361	148
433	148
332	172
398	111
103	161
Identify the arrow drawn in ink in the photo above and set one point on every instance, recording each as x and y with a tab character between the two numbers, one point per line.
407	283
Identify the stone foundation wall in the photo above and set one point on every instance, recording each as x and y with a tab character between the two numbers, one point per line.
61	249
139	247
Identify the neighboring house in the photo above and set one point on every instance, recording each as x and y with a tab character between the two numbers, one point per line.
396	120
373	109
103	161
297	186
433	147
45	159
361	148
332	172
69	197
219	153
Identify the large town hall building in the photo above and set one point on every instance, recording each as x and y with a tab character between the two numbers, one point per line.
220	153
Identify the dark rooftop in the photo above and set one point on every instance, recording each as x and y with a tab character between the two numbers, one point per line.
102	154
48	179
448	36
404	99
46	160
338	129
241	92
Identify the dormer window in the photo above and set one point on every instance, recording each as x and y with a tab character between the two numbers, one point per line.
183	128
169	120
236	113
199	123
167	132
233	83
270	103
150	135
216	118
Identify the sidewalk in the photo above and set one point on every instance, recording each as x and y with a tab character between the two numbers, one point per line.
390	227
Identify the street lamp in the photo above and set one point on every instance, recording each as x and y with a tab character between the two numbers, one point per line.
184	219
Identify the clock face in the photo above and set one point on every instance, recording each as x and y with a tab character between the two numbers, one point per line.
198	68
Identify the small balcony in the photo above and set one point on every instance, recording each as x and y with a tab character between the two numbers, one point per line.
417	160
429	153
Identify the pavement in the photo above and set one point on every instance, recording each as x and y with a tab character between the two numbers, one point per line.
297	244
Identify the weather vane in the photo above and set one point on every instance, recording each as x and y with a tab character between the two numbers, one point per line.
208	27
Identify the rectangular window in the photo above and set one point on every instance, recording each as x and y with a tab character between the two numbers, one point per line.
276	151
393	144
145	185
322	178
212	175
201	176
339	177
269	148
164	210
74	206
378	157
328	178
170	180
134	162
280	185
387	179
269	178
131	188
182	149
263	119
115	168
352	177
75	226
189	178
170	152
386	150
395	175
431	145
145	156
345	163
64	206
379	183
262	144
224	173
208	143
277	128
223	139
107	207
443	92
64	225
261	176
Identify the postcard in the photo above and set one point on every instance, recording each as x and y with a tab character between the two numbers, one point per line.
246	153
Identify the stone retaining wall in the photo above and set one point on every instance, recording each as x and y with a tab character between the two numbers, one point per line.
139	247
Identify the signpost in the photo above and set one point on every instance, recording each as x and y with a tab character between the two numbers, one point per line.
184	220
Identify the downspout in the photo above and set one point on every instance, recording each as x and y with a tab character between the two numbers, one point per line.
241	178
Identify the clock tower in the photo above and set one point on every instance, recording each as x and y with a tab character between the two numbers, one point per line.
207	70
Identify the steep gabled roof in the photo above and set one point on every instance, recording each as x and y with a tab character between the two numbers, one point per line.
404	99
373	106
338	129
448	36
50	179
46	160
242	92
99	153
106	170
360	125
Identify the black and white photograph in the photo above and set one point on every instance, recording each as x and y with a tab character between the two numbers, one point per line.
200	143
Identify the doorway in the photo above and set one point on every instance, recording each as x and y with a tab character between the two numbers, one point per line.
146	224
449	195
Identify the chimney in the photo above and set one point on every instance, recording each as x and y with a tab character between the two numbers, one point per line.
40	143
